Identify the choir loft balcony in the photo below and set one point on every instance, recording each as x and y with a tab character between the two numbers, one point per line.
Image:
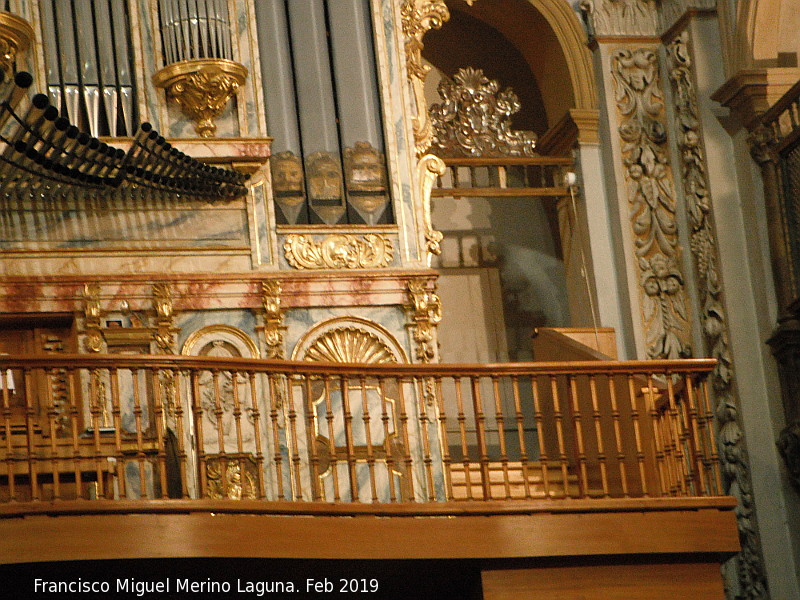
177	455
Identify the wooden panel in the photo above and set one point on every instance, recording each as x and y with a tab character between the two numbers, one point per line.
44	538
698	581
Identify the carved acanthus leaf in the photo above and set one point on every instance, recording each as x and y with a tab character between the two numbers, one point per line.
424	309
651	198
474	118
699	209
274	329
339	251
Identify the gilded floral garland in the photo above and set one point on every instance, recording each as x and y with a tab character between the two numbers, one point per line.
339	251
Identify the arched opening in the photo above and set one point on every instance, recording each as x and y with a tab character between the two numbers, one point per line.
502	271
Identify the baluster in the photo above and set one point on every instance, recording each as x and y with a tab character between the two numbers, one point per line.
637	433
695	434
598	430
716	477
677	439
498	411
296	461
344	389
368	436
658	437
502	176
540	436
51	418
75	422
519	419
329	417
406	446
390	462
30	412
446	461
197	413
179	432
237	420
116	413
462	426
219	413
5	381
311	436
480	430
559	419
256	414
575	409
423	398
137	412
161	430
277	457
615	416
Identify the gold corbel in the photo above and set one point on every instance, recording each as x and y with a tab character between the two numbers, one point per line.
202	88
424	309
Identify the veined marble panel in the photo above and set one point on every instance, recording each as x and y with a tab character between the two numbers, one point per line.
75	221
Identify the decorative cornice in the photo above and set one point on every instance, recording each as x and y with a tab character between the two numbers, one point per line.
418	17
651	196
577	126
339	251
670	12
202	88
620	17
713	316
750	92
680	24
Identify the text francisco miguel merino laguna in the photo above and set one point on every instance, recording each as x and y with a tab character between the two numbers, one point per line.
130	585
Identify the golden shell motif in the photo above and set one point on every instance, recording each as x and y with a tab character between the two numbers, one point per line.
349	345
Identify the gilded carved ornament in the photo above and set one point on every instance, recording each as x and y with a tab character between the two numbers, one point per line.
16	35
424	309
274	329
349	344
91	313
339	251
165	318
651	198
202	88
713	317
474	118
429	168
418	17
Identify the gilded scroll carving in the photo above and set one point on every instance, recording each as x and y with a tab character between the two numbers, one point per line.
424	309
713	318
339	251
620	17
429	168
418	17
274	329
165	319
474	118
651	198
232	478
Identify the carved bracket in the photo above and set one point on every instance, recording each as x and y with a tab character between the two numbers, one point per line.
424	310
274	329
429	168
339	251
202	88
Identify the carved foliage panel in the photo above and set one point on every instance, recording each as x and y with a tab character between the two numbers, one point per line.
713	317
651	200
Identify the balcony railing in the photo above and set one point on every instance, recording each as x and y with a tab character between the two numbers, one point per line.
132	427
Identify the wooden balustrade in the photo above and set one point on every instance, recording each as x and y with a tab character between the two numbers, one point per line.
160	427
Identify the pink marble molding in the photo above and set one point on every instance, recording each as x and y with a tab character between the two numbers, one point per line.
48	294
